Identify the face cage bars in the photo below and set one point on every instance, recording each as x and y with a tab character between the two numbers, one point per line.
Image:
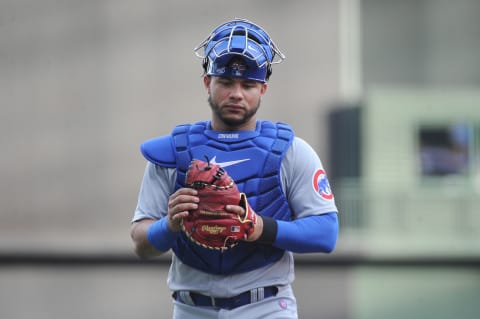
266	39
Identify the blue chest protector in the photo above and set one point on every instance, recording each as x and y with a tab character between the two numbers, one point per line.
253	160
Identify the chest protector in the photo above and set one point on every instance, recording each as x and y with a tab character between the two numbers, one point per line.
253	160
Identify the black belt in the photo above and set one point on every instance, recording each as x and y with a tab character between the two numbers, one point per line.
245	298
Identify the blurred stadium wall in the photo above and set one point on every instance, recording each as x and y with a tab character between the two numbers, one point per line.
405	142
83	83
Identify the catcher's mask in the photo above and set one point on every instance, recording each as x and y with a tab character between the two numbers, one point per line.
242	39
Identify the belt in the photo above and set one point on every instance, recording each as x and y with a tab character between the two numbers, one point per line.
245	298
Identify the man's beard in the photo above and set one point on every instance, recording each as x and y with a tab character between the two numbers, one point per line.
232	122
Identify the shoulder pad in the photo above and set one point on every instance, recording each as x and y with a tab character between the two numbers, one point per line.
159	151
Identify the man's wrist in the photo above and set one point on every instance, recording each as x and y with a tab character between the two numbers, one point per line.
160	236
269	231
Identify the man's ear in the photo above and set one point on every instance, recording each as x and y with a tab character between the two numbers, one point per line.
206	82
264	88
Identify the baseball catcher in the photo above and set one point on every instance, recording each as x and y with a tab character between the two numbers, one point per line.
231	257
210	225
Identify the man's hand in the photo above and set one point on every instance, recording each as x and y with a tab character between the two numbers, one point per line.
179	205
240	211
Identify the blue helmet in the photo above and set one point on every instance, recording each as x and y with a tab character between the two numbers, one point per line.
239	48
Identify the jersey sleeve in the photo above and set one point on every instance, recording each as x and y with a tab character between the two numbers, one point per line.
157	186
316	233
305	180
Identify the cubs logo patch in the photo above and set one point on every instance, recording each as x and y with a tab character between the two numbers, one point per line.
321	185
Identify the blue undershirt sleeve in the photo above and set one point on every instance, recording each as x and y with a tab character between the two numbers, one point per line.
316	233
160	236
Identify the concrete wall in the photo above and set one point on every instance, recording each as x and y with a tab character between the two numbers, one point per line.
83	83
420	42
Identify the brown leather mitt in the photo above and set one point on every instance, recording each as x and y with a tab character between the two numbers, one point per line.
210	225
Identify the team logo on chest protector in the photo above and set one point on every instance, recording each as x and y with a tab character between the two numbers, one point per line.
321	185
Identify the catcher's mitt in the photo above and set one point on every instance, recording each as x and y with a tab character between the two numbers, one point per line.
210	225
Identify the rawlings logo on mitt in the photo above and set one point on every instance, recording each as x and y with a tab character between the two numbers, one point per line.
210	225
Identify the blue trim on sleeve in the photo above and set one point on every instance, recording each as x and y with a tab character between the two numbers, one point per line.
160	236
316	233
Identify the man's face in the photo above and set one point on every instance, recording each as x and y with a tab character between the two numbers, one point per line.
234	102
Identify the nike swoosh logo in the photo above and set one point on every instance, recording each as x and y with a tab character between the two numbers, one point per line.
226	164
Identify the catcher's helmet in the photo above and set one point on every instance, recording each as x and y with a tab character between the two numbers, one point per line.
242	39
